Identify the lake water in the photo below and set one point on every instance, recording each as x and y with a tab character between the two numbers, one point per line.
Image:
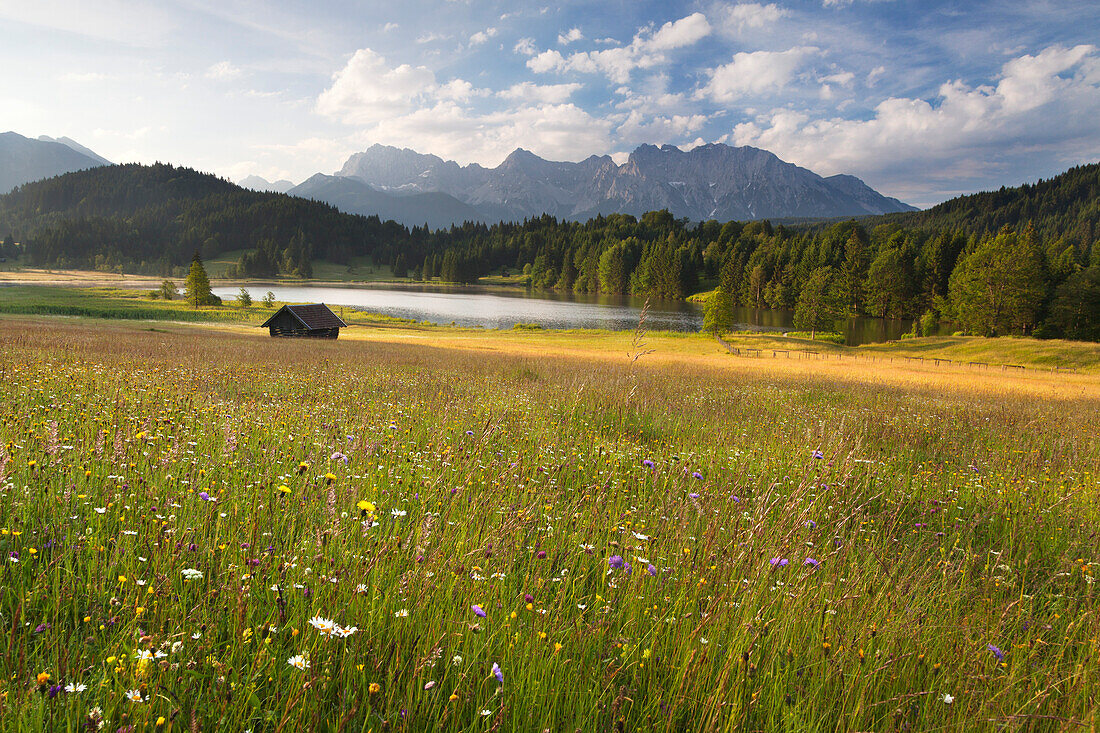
471	306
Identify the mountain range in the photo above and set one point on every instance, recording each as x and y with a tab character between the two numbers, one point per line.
714	181
23	159
708	182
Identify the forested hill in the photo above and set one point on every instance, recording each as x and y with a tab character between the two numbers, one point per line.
153	218
1065	207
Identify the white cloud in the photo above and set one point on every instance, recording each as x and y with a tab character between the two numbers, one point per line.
223	71
742	16
755	72
482	36
367	89
874	75
573	34
390	27
645	51
641	127
966	130
553	131
545	93
432	37
525	46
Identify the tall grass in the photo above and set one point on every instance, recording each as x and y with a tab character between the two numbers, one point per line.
654	547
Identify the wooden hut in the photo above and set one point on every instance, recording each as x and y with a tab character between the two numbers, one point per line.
305	321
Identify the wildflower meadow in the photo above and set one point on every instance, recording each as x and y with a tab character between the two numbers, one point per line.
216	531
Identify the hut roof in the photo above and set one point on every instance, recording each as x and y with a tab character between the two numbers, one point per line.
314	316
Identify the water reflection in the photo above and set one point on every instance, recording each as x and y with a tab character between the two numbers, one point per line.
472	306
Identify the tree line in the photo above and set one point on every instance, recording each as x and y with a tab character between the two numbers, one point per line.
1022	260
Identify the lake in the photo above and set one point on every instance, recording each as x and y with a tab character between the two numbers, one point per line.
473	306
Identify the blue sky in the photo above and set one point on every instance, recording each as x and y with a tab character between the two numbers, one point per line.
923	100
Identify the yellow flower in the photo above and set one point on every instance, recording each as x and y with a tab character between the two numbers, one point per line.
160	721
121	579
283	489
366	506
453	697
374	688
330	476
43	678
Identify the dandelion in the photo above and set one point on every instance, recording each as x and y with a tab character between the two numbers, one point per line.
478	610
298	662
497	673
134	696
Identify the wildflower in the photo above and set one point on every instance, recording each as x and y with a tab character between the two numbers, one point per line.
330	477
43	679
811	524
283	489
648	463
615	561
486	713
75	687
456	660
398	513
205	496
948	698
497	673
338	456
298	662
996	652
365	506
429	684
818	455
640	536
781	562
134	696
652	570
403	613
697	475
341	633
810	561
374	688
143	655
324	625
693	496
191	574
469	432
478	610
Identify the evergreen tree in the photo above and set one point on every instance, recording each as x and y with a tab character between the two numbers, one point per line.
197	288
1075	312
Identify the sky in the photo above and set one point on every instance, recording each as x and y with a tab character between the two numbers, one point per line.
922	100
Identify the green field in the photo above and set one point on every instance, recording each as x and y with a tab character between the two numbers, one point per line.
677	542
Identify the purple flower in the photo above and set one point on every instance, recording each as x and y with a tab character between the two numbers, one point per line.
648	463
497	673
528	598
736	500
652	569
781	562
615	561
697	475
338	456
54	689
627	567
818	455
204	496
811	562
40	628
471	432
811	524
478	610
693	496
540	554
996	652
